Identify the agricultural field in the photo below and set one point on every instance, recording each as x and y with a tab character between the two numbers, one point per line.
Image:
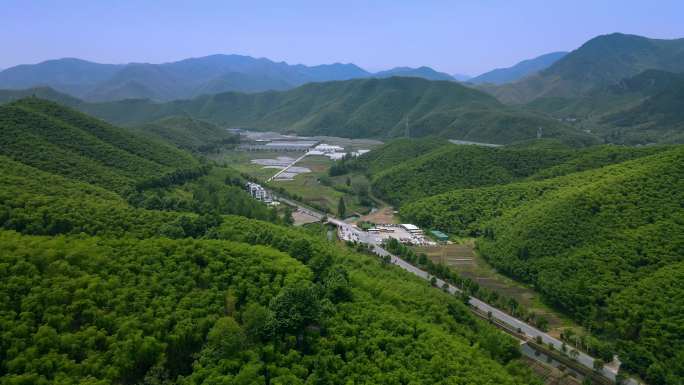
465	260
316	187
242	161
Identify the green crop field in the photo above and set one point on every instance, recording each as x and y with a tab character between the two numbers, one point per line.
463	259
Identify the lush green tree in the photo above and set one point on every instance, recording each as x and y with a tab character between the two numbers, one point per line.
341	208
226	338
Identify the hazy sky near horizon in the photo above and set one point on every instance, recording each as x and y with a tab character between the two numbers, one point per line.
458	36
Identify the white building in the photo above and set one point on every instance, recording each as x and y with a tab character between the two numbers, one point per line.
258	192
412	229
359	152
335	155
327	148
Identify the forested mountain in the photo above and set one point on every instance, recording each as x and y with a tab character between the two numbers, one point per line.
602	61
403	171
175	80
605	245
642	109
46	93
518	71
185	79
582	246
72	76
158	285
393	153
188	133
57	139
660	117
464	210
356	108
420	72
457	166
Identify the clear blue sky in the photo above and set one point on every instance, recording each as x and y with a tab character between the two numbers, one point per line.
464	36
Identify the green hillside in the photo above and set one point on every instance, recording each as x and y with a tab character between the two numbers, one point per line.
584	244
37	202
162	288
600	62
356	108
394	152
46	93
659	118
62	141
464	211
187	133
642	109
591	242
453	166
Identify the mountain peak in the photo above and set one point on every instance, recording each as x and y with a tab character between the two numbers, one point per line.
600	62
420	72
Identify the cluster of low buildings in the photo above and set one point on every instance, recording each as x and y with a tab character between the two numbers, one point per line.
333	152
310	147
405	233
280	145
259	193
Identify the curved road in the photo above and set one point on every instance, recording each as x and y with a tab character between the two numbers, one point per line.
497	314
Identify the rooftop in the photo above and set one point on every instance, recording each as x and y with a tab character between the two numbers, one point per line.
410	227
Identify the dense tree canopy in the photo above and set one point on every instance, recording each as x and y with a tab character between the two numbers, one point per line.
102	282
403	171
592	243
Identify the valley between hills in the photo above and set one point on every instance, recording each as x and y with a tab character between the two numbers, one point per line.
232	220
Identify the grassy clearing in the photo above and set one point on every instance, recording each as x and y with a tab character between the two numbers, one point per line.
463	258
315	188
318	188
241	161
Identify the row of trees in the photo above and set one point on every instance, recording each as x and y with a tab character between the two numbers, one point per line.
467	285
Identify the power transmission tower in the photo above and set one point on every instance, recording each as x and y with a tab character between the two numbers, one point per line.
407	133
539	133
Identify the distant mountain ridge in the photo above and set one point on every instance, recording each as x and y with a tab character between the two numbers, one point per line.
519	70
355	108
602	61
642	109
187	78
420	72
68	75
168	81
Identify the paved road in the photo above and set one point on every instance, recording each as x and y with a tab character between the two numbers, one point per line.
286	168
497	314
